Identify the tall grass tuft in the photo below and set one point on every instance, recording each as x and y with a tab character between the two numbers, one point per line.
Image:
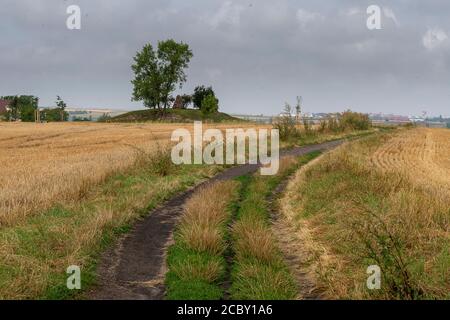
196	260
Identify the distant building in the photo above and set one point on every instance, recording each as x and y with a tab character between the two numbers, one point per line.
256	118
4	107
416	119
4	104
388	119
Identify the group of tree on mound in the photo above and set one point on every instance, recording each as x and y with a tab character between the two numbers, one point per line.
159	71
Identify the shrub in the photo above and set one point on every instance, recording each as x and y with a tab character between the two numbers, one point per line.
159	162
104	118
210	104
308	128
200	93
354	121
54	115
286	124
348	120
322	126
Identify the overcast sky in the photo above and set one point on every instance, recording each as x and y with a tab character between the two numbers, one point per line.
256	54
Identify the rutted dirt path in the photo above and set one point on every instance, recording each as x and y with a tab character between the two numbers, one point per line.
291	249
135	267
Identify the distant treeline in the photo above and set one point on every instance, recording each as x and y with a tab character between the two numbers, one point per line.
25	108
21	107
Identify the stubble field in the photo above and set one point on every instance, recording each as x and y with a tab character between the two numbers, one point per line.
46	164
382	200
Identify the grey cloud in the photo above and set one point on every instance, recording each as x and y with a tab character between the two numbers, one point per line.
256	54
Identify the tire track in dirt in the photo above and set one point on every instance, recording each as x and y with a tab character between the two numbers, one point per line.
290	247
135	267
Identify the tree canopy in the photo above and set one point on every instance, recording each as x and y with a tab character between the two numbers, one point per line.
22	107
158	72
209	105
200	93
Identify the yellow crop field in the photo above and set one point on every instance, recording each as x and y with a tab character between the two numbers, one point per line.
44	164
389	206
422	154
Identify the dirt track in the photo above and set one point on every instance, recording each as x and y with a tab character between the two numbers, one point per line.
135	267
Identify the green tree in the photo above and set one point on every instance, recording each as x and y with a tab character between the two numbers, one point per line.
354	121
200	93
105	117
61	107
209	105
28	107
22	107
286	124
54	115
157	73
187	100
13	114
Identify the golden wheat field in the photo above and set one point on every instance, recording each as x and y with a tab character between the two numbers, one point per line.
422	154
44	164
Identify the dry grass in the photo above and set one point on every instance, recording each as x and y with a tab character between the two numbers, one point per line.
346	216
253	240
259	271
45	164
207	206
196	260
296	241
66	189
205	214
204	238
35	254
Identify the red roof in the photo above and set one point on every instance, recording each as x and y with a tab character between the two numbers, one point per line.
3	105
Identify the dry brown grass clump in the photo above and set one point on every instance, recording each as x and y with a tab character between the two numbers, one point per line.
201	227
253	240
196	261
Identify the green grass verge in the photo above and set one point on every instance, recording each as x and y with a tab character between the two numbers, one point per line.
45	244
182	285
259	271
369	218
198	272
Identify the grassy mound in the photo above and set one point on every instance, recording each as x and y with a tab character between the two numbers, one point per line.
172	115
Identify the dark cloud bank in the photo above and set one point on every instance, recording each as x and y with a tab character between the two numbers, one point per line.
257	54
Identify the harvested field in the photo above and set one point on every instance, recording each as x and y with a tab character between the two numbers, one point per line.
422	154
46	164
383	200
69	190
